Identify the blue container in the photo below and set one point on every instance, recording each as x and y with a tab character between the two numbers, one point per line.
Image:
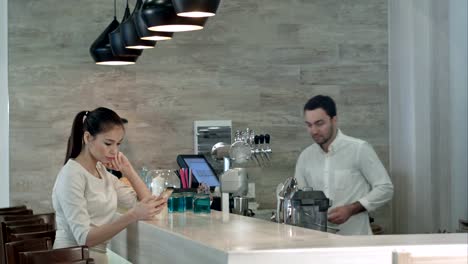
176	203
188	196
201	204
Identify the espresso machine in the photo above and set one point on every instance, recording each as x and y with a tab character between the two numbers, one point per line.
234	188
247	146
305	208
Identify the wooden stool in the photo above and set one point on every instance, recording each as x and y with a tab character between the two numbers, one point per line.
12	249
3	234
60	255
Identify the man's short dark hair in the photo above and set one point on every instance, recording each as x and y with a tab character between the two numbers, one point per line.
321	101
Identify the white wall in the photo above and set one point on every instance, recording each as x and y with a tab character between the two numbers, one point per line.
458	36
4	119
428	116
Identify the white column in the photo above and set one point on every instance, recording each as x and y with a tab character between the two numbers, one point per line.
401	111
428	113
4	119
458	35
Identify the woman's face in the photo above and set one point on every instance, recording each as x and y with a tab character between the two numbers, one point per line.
105	145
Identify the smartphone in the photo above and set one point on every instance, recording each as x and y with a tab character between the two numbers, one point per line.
166	193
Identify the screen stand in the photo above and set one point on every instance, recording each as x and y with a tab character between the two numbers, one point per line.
225	196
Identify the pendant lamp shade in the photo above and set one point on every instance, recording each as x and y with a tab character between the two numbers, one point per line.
159	15
116	41
101	50
143	31
129	34
196	8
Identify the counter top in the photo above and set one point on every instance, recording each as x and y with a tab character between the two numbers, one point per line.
218	238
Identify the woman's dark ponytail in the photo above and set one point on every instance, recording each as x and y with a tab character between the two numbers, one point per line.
75	141
99	120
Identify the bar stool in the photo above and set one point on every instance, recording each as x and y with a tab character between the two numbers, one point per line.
60	255
12	249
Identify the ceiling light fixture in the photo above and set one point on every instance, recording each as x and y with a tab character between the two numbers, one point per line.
159	15
129	33
143	31
101	50
116	42
196	8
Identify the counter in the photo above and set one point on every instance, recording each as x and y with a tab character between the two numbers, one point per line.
212	238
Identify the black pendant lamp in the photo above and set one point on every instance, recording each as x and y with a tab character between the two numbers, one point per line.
159	15
143	31
101	50
129	34
196	8
117	44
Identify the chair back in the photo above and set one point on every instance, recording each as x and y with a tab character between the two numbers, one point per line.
23	236
17	212
5	223
32	221
48	218
12	249
4	236
28	228
13	208
83	261
60	255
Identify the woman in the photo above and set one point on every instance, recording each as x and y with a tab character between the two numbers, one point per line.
85	195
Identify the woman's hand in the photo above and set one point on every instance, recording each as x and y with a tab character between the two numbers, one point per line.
120	163
147	208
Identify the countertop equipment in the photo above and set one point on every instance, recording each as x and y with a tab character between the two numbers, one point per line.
305	208
234	182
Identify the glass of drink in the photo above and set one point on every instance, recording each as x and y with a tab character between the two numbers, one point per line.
201	203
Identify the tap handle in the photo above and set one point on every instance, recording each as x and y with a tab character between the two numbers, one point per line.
262	138
256	139
267	139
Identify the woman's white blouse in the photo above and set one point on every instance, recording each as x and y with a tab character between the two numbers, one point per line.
82	201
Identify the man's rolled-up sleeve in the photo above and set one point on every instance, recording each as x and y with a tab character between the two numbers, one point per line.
377	176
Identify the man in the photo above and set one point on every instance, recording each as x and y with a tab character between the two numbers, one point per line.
346	169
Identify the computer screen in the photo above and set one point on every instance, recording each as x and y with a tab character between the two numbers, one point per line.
202	171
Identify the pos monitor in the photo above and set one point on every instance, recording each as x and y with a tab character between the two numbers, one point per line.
201	170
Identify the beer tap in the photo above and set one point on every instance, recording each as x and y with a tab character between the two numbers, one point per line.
267	144
262	150
251	142
258	152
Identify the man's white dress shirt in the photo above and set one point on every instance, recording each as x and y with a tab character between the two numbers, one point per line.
350	171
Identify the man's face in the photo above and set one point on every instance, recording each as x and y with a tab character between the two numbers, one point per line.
320	125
